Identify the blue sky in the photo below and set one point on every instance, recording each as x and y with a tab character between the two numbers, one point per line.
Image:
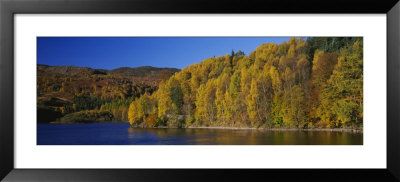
115	52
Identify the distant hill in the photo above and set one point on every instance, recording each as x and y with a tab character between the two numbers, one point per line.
74	80
66	70
142	71
67	89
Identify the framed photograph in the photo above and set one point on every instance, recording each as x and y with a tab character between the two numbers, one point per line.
130	90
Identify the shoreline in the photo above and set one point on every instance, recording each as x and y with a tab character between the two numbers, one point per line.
235	128
262	129
285	129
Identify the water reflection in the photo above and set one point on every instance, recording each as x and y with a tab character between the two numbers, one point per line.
246	137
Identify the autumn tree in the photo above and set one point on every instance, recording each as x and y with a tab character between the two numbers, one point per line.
277	85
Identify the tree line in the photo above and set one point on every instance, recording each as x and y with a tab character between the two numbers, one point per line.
302	83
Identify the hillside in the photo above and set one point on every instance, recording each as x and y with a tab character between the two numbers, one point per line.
67	89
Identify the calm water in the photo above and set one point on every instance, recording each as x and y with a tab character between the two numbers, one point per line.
121	134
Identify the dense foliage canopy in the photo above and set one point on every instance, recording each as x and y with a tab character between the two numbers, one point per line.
310	83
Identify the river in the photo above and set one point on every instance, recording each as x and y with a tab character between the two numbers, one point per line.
122	134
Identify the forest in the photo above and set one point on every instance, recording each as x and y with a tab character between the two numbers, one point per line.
314	82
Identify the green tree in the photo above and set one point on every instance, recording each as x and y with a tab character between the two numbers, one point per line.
345	88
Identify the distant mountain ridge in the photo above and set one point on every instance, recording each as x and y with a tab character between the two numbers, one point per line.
129	71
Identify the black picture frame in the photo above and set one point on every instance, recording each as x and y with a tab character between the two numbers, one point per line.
8	8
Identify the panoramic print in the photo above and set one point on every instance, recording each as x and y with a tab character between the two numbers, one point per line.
199	91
